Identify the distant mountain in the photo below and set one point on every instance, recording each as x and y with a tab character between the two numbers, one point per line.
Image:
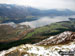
17	13
55	12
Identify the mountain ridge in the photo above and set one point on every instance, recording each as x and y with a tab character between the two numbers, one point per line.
17	13
61	38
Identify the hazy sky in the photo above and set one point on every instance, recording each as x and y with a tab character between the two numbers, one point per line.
44	4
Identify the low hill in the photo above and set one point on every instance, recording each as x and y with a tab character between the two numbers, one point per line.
52	29
12	32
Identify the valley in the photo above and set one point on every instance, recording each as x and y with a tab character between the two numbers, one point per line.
32	36
29	31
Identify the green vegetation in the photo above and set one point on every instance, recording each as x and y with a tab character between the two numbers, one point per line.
41	33
52	29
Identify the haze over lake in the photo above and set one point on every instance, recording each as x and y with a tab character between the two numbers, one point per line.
45	21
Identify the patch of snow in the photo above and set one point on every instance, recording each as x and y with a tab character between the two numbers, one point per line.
40	50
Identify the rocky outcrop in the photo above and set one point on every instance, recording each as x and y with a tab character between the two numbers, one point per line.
61	38
32	50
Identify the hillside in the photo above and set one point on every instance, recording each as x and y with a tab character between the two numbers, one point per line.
45	50
12	32
52	29
38	34
62	38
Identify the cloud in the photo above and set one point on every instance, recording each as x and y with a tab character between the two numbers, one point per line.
44	4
